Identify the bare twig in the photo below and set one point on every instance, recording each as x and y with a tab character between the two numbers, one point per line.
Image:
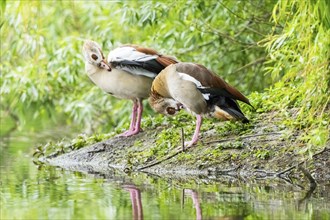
223	35
223	5
182	139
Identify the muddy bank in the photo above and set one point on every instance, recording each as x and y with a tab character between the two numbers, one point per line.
265	150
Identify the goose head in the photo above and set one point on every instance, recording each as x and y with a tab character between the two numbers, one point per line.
93	54
165	106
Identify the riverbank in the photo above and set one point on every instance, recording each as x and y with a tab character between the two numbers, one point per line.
262	149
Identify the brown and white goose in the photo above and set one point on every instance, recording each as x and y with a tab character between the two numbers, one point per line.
127	74
196	89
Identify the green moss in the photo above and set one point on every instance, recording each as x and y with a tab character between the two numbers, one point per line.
54	149
230	145
234	128
262	154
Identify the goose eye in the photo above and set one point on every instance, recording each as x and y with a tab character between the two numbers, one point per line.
170	110
94	57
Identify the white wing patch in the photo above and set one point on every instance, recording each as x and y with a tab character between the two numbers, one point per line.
206	96
191	79
198	84
128	53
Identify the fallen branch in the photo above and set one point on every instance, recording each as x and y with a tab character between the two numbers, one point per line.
160	161
244	137
300	163
298	166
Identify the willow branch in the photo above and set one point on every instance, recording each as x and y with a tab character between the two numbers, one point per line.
257	61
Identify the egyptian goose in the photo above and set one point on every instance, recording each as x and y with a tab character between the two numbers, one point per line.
198	90
128	74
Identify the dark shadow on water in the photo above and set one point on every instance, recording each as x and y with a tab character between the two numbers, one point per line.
303	202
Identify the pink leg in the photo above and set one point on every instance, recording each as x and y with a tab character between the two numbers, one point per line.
197	129
196	202
139	116
133	121
135	126
133	116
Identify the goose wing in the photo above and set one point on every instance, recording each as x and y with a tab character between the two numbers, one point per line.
139	60
210	83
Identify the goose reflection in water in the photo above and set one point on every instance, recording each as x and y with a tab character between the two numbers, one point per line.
197	205
135	195
195	200
137	210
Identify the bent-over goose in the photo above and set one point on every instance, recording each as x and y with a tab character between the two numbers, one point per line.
127	74
198	90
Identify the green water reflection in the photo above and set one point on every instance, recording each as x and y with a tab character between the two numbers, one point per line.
31	192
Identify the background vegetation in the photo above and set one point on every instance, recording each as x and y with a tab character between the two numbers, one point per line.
277	52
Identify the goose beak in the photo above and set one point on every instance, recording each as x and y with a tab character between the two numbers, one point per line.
104	64
179	107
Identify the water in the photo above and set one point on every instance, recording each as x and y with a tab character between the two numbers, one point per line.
33	192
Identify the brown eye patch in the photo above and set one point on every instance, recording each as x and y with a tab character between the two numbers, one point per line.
170	110
94	57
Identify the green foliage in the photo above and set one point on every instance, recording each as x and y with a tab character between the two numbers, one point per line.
300	56
226	32
234	128
262	154
42	69
231	145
